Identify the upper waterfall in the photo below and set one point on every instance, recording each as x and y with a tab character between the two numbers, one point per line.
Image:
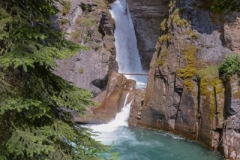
126	43
125	39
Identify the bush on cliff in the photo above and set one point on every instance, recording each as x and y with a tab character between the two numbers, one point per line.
230	66
33	123
225	5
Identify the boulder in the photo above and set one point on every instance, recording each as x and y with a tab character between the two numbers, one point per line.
119	92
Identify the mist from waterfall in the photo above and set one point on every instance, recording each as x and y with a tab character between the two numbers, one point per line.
126	43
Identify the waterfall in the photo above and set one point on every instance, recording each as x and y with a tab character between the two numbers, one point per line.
125	40
129	62
109	132
126	43
121	119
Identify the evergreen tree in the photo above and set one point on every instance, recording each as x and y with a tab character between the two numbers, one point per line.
34	122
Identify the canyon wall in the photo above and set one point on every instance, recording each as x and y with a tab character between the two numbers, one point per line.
185	94
88	23
146	16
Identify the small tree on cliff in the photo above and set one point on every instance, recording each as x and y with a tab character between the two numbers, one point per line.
225	5
33	123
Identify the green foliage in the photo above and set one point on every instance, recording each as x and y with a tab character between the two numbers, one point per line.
211	72
176	17
63	21
163	25
88	21
66	7
189	56
225	5
164	38
188	72
230	66
172	3
81	70
35	104
191	34
101	3
162	57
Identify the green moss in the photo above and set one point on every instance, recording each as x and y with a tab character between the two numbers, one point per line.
81	70
218	84
66	7
87	21
188	83
162	57
189	56
204	87
76	35
210	72
191	34
160	62
63	21
172	3
101	3
207	87
164	38
163	25
212	108
188	72
236	95
178	20
208	96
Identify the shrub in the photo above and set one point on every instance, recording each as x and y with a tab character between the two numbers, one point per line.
230	66
66	7
225	5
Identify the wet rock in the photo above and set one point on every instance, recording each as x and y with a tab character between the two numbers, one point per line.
119	92
147	16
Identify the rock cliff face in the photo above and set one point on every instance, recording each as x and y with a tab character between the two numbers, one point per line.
146	16
184	93
88	23
119	91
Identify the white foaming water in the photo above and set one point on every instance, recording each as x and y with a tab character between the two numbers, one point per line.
126	43
108	132
125	40
129	62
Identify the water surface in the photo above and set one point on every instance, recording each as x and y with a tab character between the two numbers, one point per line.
143	144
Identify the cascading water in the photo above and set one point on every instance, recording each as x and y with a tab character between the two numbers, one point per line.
126	43
130	143
125	40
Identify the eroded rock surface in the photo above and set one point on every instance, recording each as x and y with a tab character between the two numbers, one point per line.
182	95
88	23
119	92
147	16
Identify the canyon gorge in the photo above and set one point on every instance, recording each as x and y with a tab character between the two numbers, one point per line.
181	44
